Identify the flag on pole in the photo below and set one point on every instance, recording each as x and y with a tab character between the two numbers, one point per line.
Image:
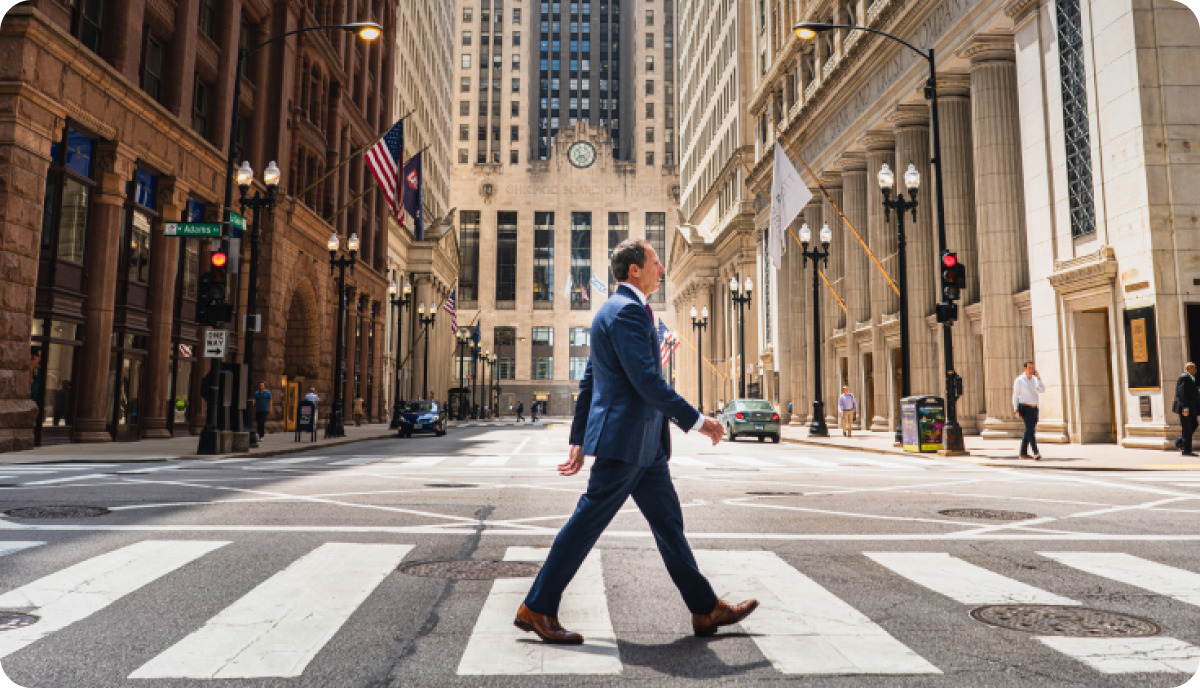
599	285
413	202
452	308
789	195
567	291
667	342
384	159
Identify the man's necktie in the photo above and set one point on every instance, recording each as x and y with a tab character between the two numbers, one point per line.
650	312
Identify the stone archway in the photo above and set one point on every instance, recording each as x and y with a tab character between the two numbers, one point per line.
302	341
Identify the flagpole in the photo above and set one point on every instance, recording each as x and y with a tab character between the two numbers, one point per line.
352	156
363	195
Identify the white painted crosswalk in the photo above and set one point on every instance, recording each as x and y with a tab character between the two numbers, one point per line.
279	628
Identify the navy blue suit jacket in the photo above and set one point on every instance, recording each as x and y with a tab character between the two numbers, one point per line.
623	399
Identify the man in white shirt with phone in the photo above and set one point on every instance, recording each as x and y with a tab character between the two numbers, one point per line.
1026	389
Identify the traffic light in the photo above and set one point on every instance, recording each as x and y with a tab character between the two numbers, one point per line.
204	302
211	307
947	312
954	276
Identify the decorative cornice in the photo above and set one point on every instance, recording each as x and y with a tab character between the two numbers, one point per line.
908	116
1085	272
1017	10
954	85
853	162
989	47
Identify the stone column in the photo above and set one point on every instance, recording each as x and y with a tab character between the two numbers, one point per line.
784	343
958	162
164	265
1000	222
913	147
882	240
181	69
230	26
114	166
856	267
123	31
831	312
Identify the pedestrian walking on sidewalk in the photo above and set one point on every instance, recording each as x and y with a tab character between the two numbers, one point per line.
848	408
1026	389
520	412
533	411
621	417
1187	403
359	410
262	408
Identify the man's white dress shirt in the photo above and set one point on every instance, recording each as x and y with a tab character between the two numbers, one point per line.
1026	390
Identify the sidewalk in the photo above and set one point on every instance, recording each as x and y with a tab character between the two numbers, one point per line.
1003	452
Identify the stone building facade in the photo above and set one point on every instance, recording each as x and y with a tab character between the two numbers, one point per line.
119	120
1065	129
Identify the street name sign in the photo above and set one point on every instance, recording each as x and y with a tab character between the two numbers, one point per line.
216	343
192	229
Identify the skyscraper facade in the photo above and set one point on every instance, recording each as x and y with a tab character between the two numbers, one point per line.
565	128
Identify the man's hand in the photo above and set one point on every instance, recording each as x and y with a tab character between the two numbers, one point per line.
573	464
712	430
1185	412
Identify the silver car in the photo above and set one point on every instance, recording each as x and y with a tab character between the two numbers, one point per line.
750	417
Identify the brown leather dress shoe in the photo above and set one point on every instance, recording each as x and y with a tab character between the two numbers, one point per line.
546	627
724	614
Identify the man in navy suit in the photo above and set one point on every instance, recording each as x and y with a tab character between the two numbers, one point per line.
621	419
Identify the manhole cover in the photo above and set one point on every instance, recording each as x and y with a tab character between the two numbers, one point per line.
989	514
12	620
450	485
774	494
472	570
57	512
1074	622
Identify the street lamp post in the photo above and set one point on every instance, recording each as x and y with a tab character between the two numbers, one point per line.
741	298
400	303
493	392
489	361
258	203
699	324
335	427
817	256
476	350
902	206
952	432
426	321
463	338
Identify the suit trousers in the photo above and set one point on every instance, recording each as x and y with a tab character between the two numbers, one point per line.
611	482
1188	425
1029	414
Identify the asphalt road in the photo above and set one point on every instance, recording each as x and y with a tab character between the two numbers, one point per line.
295	571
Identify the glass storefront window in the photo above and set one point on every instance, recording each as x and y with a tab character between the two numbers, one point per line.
52	364
139	248
191	268
72	223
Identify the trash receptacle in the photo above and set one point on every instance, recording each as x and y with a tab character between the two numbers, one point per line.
921	422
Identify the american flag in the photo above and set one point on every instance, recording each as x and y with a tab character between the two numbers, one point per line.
384	159
452	309
667	341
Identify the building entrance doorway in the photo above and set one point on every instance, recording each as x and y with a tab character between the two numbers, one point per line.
1096	411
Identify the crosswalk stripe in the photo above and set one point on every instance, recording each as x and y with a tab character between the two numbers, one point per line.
77	592
748	461
12	546
963	581
425	461
1129	655
1166	580
298	459
801	627
689	461
882	463
496	647
809	461
278	627
358	461
489	462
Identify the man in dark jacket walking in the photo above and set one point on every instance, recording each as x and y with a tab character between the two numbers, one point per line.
1187	404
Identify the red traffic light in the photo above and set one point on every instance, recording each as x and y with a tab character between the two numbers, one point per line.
950	260
218	259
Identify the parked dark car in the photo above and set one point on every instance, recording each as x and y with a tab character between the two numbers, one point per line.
423	416
750	417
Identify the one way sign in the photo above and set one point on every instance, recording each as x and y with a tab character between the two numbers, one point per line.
216	343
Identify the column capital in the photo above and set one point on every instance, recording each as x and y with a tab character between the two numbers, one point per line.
854	162
877	140
954	85
1019	10
174	195
910	116
115	163
989	47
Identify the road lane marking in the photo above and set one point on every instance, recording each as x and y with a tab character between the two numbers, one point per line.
277	628
689	461
358	461
425	461
13	546
298	459
809	461
496	647
78	591
1166	580
801	627
489	462
89	476
963	581
882	463
1128	655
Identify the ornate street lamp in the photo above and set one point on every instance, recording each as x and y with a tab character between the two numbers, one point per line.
699	324
463	339
902	206
817	256
335	427
426	321
400	303
495	391
951	433
741	298
258	203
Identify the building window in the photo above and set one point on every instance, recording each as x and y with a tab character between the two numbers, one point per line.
463	156
153	62
506	256
516	62
542	336
466	84
649	17
618	231
466	38
578	367
543	368
464	108
516	85
649	87
516	15
466	61
1075	118
650	159
543	257
581	336
514	157
656	234
516	108
87	18
468	13
68	191
506	368
649	63
649	110
649	40
464	132
516	39
514	133
468	249
207	13
581	261
504	336
201	106
649	134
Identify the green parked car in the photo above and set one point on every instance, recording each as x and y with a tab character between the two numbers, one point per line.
751	418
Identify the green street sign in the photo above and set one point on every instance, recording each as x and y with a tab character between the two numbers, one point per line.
193	229
236	220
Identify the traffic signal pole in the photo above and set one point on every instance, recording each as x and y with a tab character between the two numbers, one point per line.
209	311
